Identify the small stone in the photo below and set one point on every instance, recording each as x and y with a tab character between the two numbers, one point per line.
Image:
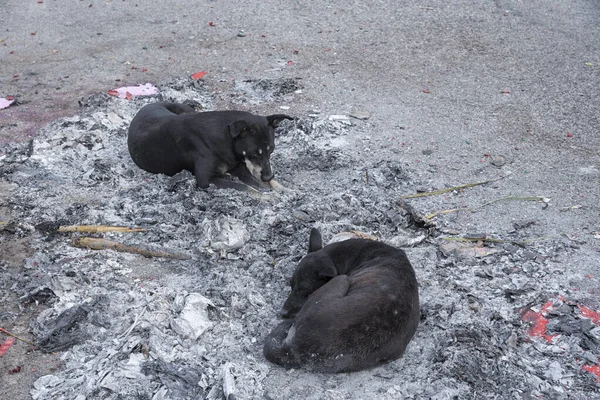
302	216
554	371
498	160
344	119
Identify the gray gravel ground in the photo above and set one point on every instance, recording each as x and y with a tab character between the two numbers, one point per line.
457	92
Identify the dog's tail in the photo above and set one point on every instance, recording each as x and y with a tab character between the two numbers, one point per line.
277	349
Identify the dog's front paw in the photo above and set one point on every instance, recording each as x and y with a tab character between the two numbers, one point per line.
260	196
278	187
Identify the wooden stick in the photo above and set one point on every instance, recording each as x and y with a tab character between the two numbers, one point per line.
15	336
495	240
100	229
135	322
452	189
103	244
228	382
531	198
435	214
442	191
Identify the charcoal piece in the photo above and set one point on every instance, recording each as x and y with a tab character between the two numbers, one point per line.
64	331
41	296
68	329
181	381
50	227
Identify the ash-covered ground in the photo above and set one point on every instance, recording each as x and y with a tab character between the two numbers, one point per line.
500	320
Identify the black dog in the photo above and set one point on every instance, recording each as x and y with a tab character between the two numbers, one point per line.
356	306
167	138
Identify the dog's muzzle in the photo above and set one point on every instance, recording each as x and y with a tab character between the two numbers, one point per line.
266	178
266	174
292	306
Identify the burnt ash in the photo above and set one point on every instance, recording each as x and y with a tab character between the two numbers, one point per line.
120	319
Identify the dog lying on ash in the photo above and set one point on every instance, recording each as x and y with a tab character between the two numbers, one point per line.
167	138
354	304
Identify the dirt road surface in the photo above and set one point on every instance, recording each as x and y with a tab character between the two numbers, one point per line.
392	99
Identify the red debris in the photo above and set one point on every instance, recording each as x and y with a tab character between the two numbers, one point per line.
144	69
539	322
594	369
6	345
426	91
569	134
589	313
12	52
211	23
15	370
33	33
199	75
295	51
40	1
290	63
505	92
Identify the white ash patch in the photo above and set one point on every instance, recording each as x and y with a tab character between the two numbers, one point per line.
127	329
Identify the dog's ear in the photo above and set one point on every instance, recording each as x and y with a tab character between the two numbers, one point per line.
275	119
237	127
327	270
315	242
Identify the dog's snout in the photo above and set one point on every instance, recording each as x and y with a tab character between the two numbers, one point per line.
266	174
266	178
285	313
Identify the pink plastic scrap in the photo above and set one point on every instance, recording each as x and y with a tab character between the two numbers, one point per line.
7	101
128	92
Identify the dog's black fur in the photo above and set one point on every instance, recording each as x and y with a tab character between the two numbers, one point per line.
356	306
168	138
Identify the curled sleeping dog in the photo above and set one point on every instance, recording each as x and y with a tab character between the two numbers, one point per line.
354	304
168	138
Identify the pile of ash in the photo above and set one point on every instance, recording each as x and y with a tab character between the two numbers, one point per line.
159	328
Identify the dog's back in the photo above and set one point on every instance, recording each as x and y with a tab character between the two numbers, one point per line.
361	318
148	141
